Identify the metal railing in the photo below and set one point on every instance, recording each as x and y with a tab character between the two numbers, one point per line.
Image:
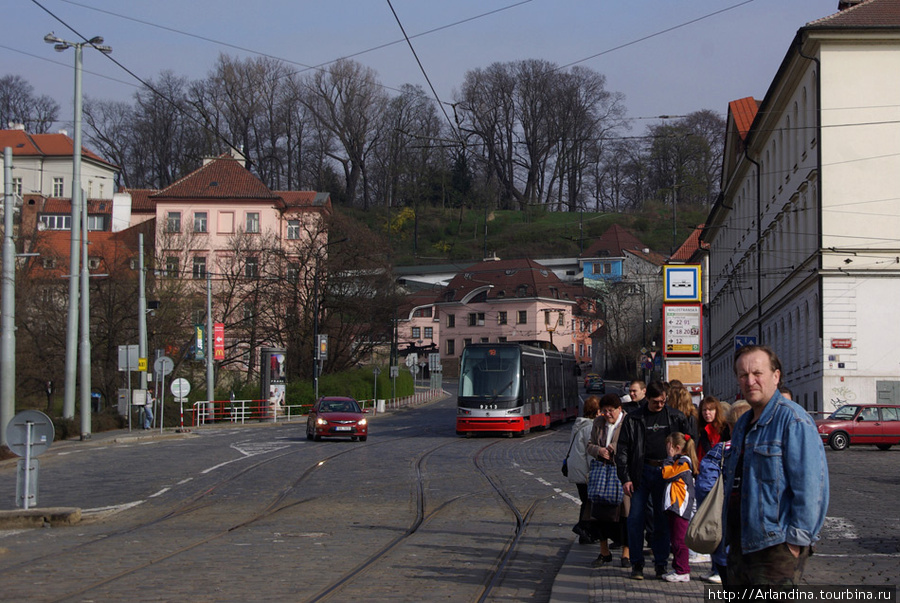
242	411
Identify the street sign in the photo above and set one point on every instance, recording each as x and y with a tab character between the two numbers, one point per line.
142	365
742	340
40	438
128	357
180	388
163	365
412	359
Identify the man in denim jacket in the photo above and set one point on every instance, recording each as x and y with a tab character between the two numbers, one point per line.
776	479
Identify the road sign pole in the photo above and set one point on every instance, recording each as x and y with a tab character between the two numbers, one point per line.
29	426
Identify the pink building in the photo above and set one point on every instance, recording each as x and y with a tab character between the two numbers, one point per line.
512	300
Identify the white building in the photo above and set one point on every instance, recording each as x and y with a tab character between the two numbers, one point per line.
805	240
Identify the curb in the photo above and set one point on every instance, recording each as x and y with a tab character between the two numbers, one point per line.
38	518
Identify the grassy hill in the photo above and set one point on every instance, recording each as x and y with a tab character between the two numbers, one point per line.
445	235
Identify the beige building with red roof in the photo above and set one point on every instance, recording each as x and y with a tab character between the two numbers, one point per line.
42	165
805	239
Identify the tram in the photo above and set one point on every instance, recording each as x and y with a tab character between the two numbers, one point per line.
514	388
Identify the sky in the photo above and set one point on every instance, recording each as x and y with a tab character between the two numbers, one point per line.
667	57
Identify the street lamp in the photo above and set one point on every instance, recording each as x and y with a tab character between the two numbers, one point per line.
61	45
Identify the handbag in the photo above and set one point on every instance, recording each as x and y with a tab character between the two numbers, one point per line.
604	486
704	532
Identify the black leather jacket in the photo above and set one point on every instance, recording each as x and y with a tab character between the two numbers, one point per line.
630	451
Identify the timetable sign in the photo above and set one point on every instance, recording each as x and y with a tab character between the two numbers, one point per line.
683	329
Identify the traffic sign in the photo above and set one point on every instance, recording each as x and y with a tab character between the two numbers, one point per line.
180	388
40	438
742	340
163	365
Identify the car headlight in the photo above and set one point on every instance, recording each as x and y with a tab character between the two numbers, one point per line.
363	422
321	421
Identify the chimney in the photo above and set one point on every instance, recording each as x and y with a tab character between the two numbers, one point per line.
13	125
845	4
63	132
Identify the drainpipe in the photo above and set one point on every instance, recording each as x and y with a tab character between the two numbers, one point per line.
818	172
758	246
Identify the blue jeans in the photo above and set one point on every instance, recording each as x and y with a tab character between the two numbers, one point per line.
652	487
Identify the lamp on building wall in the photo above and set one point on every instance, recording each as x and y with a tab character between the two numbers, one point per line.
61	45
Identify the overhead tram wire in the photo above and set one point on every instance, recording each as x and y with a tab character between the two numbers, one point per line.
656	34
207	125
425	73
305	67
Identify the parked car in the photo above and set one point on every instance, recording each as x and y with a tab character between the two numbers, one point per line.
854	424
337	417
595	386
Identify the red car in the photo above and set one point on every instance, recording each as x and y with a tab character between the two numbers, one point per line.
877	424
337	417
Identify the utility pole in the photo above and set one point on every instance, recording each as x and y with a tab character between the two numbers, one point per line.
61	45
8	318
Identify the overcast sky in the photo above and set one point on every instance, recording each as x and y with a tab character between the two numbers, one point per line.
668	57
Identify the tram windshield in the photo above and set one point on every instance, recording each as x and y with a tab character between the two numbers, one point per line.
489	372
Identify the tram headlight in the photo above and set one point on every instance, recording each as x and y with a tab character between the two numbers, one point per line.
463	411
514	411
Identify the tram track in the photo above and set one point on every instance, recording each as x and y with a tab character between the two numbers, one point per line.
494	574
194	503
489	576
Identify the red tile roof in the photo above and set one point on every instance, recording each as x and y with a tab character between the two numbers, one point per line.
690	246
869	13
506	277
743	111
613	243
44	145
59	205
115	250
141	200
222	178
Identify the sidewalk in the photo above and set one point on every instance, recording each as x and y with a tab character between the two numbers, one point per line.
578	582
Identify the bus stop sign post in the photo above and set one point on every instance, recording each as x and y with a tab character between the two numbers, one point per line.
29	434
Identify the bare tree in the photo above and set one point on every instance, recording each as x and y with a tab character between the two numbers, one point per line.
18	104
346	101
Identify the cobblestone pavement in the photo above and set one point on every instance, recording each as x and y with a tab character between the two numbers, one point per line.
363	500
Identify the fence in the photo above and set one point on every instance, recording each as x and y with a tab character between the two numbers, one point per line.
241	411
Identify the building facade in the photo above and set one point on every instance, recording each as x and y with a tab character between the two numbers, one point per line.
805	240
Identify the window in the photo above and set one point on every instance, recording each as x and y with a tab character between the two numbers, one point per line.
58	187
293	230
17	186
451	320
198	317
249	314
429	332
416	332
522	317
451	347
93	263
173	221
467	342
57	222
293	273
48	262
200	222
422	312
252	222
96	222
485	340
607	268
199	270
172	270
251	268
501	317
476	319
501	340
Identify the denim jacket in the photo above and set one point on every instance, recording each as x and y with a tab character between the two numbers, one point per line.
784	491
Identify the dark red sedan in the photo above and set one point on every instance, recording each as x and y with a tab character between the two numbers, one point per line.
337	417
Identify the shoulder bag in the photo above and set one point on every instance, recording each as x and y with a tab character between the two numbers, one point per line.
704	532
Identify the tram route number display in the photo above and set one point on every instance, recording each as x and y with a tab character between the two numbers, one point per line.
682	329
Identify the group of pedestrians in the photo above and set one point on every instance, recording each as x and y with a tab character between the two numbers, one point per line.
668	454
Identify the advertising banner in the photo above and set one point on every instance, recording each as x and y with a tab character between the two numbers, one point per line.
219	341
